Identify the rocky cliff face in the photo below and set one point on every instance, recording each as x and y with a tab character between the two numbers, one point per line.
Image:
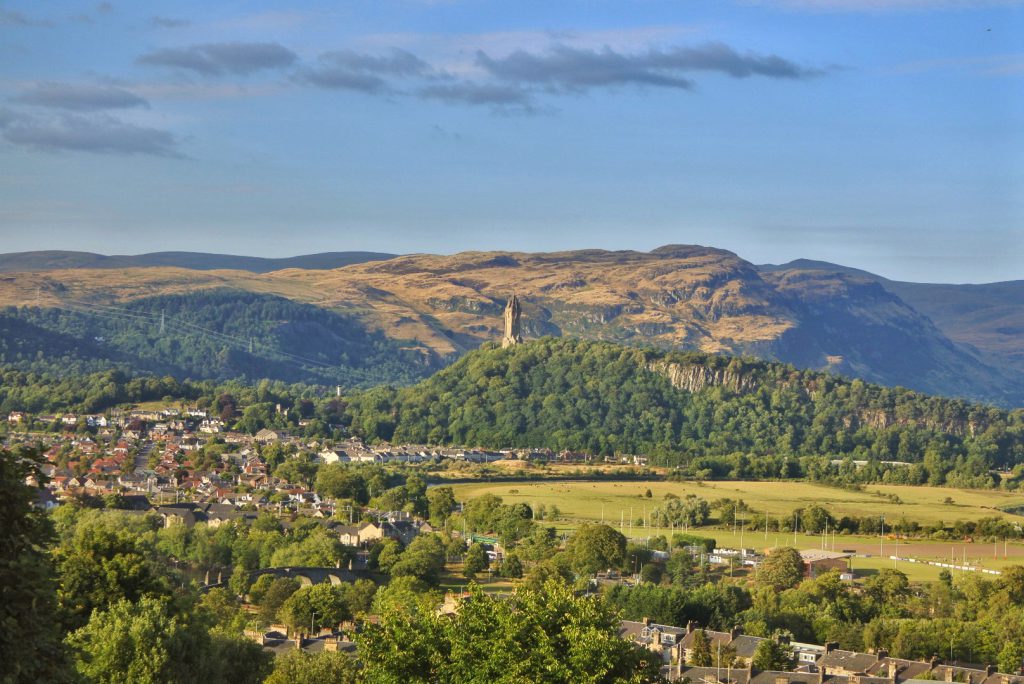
694	378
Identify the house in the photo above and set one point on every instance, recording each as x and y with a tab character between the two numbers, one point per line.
849	662
268	436
370	532
348	534
15	417
660	639
739	644
332	456
817	561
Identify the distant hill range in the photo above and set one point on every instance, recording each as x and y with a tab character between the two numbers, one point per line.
199	261
988	317
954	340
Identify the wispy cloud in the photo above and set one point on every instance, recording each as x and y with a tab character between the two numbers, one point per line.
15	18
213	59
169	22
502	97
349	70
515	81
81	97
573	69
99	133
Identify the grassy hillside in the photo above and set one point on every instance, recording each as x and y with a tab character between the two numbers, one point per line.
685	407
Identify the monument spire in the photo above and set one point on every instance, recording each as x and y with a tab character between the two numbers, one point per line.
512	313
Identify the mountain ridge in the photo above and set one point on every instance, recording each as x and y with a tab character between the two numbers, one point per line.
674	297
50	260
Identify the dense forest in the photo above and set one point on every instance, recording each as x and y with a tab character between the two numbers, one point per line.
216	334
608	399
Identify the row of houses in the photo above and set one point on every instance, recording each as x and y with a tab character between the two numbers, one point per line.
813	663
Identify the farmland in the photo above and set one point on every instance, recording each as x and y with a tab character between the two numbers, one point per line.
620	502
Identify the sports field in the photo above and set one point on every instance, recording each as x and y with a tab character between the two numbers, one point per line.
619	502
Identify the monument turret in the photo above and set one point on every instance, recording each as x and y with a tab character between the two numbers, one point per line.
513	311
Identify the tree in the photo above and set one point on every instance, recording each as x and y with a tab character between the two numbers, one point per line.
549	635
359	596
30	646
313	607
144	642
511	566
782	568
441	502
772	655
596	547
476	561
276	593
700	652
299	667
151	642
424	559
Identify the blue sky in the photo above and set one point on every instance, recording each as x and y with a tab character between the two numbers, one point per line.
882	134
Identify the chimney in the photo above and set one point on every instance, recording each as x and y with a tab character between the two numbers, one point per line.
690	626
822	675
831	646
646	621
882	654
298	642
990	670
782	639
934	662
735	632
894	669
948	674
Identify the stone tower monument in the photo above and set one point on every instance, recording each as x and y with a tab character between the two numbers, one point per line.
512	313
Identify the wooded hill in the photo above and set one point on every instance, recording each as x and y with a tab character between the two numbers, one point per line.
208	335
677	406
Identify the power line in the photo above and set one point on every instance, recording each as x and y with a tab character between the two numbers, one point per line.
119	313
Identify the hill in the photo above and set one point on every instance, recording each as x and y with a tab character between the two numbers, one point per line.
987	318
674	297
216	334
686	407
55	260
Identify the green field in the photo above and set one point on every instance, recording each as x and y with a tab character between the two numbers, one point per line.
620	502
591	500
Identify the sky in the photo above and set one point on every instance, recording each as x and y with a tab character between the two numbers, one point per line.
881	134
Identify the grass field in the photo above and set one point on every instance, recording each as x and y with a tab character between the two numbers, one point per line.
591	500
624	501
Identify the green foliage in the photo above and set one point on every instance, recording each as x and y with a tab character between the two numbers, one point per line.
110	556
278	590
441	503
548	635
700	654
772	655
319	549
30	644
211	334
475	561
299	667
607	399
424	559
314	607
596	547
781	569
